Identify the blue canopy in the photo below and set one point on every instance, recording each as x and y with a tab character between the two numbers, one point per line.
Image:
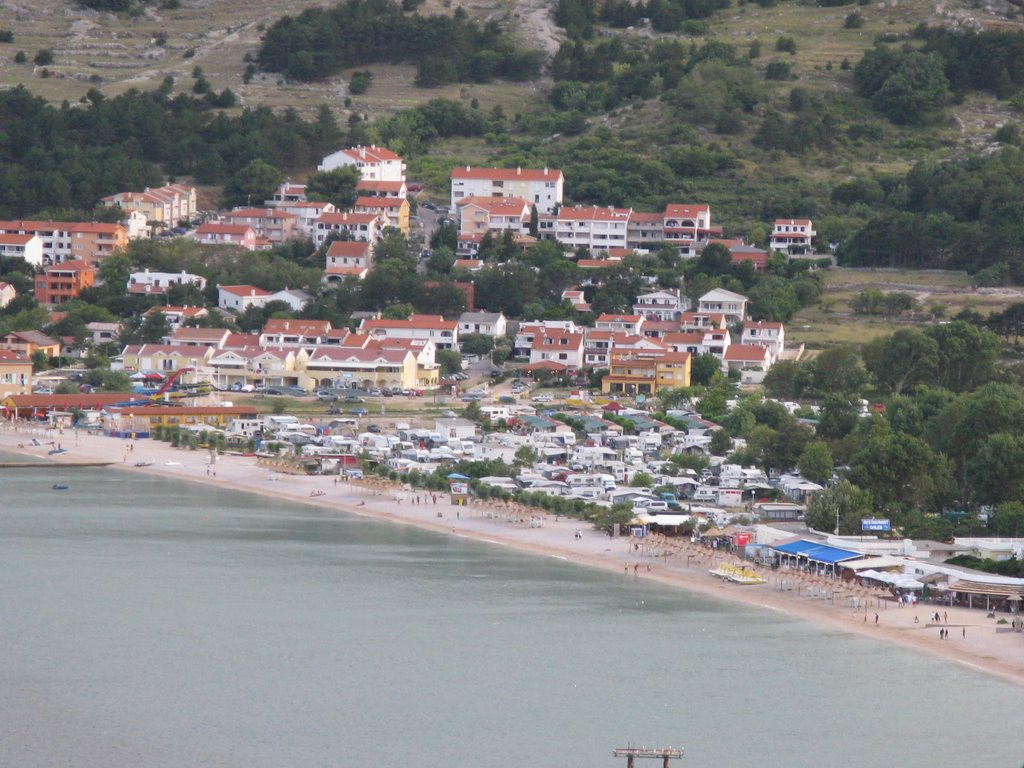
816	551
457	476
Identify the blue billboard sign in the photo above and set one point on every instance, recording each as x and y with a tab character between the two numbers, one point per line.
875	524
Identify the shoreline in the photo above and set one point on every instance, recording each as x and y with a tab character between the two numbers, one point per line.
973	642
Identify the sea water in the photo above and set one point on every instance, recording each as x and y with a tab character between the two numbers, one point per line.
147	622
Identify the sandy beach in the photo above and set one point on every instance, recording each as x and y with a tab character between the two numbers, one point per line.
972	637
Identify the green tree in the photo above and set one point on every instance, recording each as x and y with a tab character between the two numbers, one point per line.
966	355
994	471
903	470
903	360
815	462
1009	520
642	480
846	503
476	344
703	369
252	184
336	186
721	442
839	370
450	361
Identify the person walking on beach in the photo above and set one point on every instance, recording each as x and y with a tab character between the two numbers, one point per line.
945	617
965	631
876	619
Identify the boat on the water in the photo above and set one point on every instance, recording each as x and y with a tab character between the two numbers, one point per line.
55	451
59	487
143	463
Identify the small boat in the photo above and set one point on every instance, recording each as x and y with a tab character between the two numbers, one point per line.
59	487
172	463
143	463
55	451
738	574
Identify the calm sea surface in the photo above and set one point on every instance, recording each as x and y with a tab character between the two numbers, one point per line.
151	623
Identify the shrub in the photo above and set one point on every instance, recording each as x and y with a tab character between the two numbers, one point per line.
43	57
786	44
20	57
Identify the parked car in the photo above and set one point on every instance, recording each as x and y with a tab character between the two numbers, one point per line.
273	391
334	411
326	396
297	390
373	428
358	411
354	399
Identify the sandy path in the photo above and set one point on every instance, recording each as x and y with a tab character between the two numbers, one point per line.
973	640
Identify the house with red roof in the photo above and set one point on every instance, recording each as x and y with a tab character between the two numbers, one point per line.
480	215
632	324
444	333
594	227
359	226
15	374
710	341
162	206
394	209
645	372
61	283
373	163
239	298
686	224
215	233
792	236
294	333
347	258
751	360
540	187
273	224
27	247
664	304
771	335
71	240
176	316
577	298
563	348
375	188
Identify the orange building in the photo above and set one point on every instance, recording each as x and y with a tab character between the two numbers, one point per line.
93	242
63	282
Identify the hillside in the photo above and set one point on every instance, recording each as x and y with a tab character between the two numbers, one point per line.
750	179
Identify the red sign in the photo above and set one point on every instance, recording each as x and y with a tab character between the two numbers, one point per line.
741	539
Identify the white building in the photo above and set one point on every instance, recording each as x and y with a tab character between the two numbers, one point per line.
592	227
661	305
374	163
771	335
27	247
147	282
238	298
7	294
361	226
444	333
485	323
793	236
539	187
733	305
